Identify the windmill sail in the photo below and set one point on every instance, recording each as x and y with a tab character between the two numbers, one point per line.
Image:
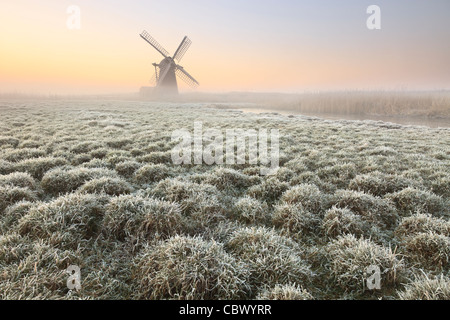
184	46
144	35
186	77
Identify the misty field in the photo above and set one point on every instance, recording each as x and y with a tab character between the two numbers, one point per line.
92	184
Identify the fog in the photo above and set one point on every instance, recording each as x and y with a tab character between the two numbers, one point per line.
431	108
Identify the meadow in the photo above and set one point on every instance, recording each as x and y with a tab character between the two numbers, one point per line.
92	184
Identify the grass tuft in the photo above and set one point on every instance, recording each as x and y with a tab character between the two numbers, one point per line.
410	200
341	221
271	258
136	219
285	292
295	221
151	173
251	211
349	258
308	195
375	210
66	221
430	249
424	288
110	186
190	268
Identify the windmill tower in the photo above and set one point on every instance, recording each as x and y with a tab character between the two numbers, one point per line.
166	72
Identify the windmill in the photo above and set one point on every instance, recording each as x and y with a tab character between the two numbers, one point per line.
166	72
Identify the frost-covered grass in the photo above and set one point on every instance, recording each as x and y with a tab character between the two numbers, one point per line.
92	184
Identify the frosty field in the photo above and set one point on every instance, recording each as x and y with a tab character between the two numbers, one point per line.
92	184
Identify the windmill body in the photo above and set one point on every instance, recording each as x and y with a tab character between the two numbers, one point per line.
166	72
168	84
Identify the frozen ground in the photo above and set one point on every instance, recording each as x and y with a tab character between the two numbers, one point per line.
92	184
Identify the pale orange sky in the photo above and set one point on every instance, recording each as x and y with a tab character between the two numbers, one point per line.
251	45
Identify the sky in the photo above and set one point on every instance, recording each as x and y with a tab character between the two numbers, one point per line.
245	45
